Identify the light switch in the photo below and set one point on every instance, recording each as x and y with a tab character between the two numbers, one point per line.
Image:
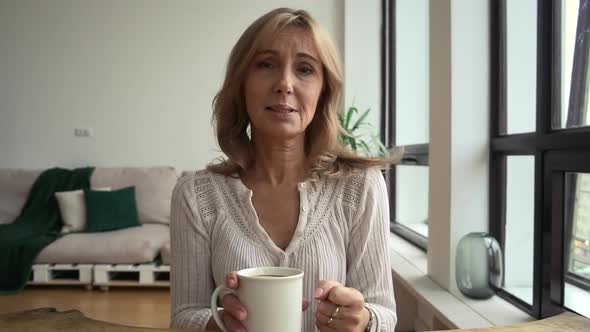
83	132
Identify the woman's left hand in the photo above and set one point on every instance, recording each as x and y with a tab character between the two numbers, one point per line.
341	308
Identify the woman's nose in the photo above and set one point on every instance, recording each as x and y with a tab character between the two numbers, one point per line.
284	83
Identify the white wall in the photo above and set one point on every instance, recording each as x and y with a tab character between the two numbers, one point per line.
440	185
459	130
140	73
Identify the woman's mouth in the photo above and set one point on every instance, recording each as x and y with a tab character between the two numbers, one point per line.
281	112
281	108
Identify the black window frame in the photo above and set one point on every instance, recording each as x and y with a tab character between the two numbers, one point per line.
414	155
556	151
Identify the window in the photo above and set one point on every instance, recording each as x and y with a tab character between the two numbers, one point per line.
405	118
540	152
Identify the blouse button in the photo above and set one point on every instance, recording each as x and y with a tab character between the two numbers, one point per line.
302	185
304	209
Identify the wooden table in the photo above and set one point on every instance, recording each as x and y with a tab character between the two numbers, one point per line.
49	319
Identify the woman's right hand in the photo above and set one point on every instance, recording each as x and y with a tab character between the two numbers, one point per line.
233	311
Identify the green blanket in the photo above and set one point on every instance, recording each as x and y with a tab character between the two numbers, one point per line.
38	225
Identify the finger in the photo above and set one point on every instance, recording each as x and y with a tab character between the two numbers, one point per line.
305	304
233	307
323	289
231	280
341	320
321	322
328	308
232	324
346	297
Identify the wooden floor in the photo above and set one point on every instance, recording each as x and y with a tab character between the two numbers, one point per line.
146	307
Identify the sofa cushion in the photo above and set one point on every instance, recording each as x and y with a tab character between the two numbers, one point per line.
130	245
15	185
72	208
153	188
165	254
111	210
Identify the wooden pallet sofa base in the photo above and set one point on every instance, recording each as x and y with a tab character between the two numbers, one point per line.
101	275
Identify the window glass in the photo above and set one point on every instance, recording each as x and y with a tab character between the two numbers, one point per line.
411	198
577	279
570	115
520	226
521	65
411	72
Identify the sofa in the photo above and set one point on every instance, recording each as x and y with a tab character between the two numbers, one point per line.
133	248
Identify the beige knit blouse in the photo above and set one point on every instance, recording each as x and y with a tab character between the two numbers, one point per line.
341	235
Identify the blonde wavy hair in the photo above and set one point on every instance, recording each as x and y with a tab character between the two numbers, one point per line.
326	155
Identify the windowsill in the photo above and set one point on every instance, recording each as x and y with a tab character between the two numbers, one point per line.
410	265
420	228
577	299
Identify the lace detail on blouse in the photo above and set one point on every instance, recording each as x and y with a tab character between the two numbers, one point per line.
235	206
324	198
208	204
353	190
216	194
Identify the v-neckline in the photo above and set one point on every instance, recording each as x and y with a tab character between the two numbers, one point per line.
256	225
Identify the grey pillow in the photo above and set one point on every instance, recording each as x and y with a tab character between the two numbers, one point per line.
130	245
15	185
153	188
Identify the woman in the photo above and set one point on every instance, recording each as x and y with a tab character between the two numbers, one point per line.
288	194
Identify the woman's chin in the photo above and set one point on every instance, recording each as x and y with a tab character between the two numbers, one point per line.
281	133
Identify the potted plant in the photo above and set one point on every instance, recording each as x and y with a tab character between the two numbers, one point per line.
359	134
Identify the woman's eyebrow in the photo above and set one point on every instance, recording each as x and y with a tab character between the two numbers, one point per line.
276	53
308	56
266	52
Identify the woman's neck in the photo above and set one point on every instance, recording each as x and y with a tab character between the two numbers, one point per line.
279	162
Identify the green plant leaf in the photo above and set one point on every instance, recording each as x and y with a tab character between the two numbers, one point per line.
361	141
366	147
346	140
360	120
349	114
368	125
383	151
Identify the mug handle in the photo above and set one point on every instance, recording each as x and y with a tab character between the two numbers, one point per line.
215	310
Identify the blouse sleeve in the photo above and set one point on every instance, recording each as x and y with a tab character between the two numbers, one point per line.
191	279
368	266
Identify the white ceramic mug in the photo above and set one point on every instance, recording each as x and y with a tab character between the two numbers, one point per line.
272	296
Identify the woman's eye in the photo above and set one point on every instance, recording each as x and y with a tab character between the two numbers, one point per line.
265	64
306	70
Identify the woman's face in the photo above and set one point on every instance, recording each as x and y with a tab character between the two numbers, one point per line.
283	84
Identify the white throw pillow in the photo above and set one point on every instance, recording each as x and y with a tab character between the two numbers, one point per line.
72	207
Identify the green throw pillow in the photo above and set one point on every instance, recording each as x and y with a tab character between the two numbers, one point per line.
111	210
